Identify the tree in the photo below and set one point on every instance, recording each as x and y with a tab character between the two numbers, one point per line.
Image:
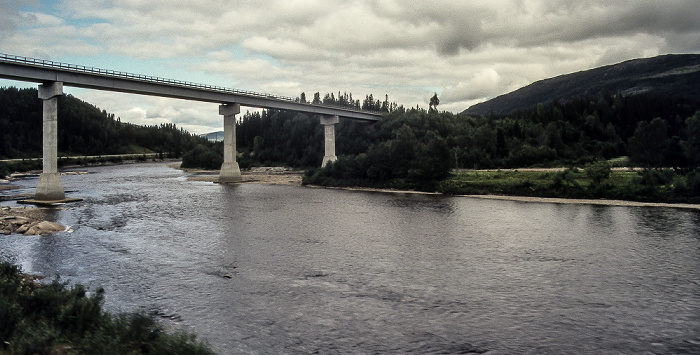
598	171
649	143
434	102
692	146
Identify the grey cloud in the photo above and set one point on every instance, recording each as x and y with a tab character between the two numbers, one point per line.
9	15
408	49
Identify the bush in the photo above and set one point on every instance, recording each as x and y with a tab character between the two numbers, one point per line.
691	184
527	155
203	157
50	319
7	168
598	171
657	177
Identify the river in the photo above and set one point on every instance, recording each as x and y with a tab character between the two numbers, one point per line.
266	269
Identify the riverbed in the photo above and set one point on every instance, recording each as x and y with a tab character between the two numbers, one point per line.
269	269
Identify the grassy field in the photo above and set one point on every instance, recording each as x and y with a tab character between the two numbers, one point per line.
625	184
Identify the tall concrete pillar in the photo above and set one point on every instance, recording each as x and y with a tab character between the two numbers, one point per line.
49	187
329	123
230	171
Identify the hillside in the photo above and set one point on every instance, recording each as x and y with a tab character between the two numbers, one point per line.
83	129
214	136
666	75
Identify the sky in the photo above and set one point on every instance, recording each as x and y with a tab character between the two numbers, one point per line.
465	51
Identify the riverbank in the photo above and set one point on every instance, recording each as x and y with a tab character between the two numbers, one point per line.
284	176
291	177
565	201
615	187
27	221
601	202
10	168
273	175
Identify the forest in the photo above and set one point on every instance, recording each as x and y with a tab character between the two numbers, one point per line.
410	148
416	148
83	129
653	132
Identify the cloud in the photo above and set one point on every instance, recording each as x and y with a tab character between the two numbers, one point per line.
482	84
197	117
467	51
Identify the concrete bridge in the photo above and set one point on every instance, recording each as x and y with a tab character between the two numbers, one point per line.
52	76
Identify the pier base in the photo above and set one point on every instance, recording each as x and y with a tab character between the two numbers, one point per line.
49	189
230	171
329	123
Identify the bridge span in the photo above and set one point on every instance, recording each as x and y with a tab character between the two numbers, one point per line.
52	76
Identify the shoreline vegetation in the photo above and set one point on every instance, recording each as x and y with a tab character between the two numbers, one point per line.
597	183
285	176
493	184
528	199
53	318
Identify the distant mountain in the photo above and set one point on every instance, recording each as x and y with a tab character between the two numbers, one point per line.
214	136
666	75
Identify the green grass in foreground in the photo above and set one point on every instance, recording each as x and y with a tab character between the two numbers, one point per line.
56	319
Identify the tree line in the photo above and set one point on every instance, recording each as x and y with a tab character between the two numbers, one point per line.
411	146
345	100
423	145
83	129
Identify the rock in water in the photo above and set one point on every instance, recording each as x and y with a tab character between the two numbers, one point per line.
44	227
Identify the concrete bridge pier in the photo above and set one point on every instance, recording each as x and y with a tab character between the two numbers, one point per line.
329	123
49	187
230	171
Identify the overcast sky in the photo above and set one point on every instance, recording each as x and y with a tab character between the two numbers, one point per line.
465	51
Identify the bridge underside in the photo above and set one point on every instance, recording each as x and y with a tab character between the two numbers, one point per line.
50	190
52	76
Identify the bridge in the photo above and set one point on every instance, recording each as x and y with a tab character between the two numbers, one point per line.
52	76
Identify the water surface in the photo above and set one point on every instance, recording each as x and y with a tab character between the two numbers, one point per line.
269	269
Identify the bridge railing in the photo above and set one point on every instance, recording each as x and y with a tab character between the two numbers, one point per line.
42	63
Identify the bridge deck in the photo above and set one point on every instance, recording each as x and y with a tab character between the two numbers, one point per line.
43	71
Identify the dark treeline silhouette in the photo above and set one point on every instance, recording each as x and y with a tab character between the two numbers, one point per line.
423	145
590	129
346	100
274	137
83	129
414	146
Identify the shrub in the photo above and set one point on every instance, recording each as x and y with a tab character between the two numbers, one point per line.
692	183
53	318
203	157
598	171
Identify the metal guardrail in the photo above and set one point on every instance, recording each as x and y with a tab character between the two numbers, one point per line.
49	64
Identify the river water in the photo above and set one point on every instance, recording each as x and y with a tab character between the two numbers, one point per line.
266	269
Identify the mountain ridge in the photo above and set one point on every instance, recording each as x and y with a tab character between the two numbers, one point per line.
669	75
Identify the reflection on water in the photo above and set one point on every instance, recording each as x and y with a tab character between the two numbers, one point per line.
314	270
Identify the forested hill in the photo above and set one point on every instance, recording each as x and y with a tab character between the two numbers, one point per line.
670	75
83	129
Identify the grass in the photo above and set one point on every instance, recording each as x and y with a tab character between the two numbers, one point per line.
648	185
57	319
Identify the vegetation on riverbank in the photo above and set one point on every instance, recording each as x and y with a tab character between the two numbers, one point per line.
56	319
595	181
418	149
25	165
664	185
